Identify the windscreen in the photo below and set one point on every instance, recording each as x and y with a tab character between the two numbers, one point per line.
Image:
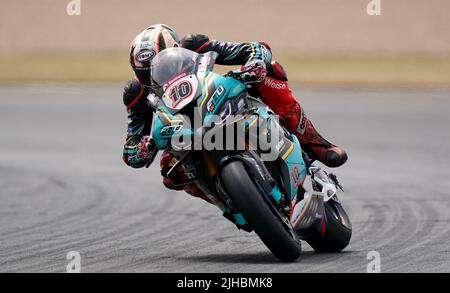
171	65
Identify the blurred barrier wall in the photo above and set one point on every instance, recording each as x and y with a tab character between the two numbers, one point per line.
304	25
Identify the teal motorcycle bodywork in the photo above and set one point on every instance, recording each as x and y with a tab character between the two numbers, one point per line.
211	95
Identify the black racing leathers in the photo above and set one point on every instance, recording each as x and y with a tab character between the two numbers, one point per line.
140	116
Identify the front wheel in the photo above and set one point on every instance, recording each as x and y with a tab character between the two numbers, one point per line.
267	224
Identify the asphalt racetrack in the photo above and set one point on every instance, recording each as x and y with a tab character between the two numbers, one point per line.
64	187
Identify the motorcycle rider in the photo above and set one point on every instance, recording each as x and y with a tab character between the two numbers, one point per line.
270	85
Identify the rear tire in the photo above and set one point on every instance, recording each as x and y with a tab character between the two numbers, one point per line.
338	231
248	200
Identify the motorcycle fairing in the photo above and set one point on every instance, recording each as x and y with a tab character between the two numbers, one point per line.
166	126
293	168
181	92
217	89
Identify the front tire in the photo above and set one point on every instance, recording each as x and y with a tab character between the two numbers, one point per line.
248	200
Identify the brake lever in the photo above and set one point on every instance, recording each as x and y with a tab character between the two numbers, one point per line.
237	74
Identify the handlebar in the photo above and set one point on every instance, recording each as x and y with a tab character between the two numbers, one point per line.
241	76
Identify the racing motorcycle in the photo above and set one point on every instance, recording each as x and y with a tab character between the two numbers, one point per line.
275	191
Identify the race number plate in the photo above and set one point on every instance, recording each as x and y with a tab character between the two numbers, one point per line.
181	92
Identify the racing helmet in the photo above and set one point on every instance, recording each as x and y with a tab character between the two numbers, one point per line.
146	45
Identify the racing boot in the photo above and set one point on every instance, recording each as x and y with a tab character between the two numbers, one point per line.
312	142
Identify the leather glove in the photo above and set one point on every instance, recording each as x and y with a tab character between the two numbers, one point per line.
256	71
147	150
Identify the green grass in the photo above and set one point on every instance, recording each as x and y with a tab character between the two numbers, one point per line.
348	69
68	66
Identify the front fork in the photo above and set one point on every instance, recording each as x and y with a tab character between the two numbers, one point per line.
263	180
212	169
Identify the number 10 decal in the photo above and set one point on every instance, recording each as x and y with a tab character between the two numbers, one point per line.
181	93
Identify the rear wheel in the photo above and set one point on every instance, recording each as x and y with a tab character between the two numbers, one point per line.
266	222
337	230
